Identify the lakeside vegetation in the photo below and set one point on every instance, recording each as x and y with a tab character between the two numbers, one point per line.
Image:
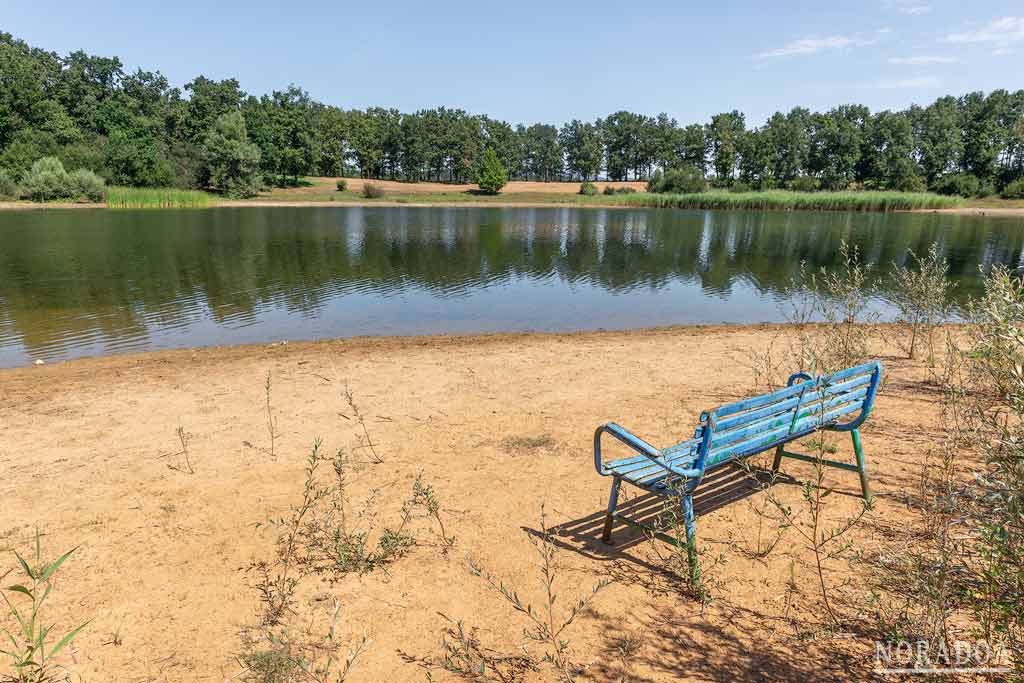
136	129
157	198
785	200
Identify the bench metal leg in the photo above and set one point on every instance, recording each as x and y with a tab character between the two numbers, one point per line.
861	467
609	519
691	538
779	452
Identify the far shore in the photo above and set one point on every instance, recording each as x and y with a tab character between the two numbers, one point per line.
510	203
323	192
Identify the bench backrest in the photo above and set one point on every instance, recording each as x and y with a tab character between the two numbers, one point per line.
841	400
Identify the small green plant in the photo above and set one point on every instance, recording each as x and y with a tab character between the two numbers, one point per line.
272	432
921	295
491	176
342	184
31	648
371	191
183	440
463	654
365	441
287	655
278	577
547	625
685	562
612	190
588	189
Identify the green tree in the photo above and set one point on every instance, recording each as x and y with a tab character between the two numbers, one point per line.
491	176
725	134
583	151
208	101
233	163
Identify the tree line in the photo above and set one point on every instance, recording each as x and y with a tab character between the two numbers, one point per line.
135	128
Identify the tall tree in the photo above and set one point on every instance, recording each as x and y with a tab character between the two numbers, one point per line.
725	133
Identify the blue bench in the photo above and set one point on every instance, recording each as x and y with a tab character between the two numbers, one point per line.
839	401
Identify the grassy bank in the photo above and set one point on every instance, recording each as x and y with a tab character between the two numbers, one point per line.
321	190
784	200
157	198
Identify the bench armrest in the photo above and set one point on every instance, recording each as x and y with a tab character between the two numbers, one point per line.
637	444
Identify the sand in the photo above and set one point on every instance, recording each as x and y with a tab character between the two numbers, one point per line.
161	568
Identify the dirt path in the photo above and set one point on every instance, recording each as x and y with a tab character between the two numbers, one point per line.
86	447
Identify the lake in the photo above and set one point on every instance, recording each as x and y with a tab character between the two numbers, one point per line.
88	282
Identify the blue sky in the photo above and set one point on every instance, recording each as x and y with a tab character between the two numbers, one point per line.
552	61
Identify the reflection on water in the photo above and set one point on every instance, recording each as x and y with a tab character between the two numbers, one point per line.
78	283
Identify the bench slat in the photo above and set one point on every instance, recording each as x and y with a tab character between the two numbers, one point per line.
741	419
766	439
789	392
802	410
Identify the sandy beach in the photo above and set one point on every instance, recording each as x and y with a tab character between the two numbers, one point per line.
498	425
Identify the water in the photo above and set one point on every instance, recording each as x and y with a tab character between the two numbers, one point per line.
88	282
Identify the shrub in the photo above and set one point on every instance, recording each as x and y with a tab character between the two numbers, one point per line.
46	180
909	183
921	296
233	161
589	189
371	191
958	184
491	176
739	187
84	184
8	186
342	184
804	183
683	180
1014	190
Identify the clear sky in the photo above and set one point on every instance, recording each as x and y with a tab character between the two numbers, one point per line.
551	60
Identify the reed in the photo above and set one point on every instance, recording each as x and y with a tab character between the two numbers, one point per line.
784	200
157	198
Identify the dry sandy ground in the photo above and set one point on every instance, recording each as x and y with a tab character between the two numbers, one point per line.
161	569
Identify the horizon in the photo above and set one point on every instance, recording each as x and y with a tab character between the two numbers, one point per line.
898	53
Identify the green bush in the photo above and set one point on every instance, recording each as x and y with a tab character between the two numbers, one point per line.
682	180
1014	190
342	184
46	180
8	186
909	183
609	190
84	184
959	185
739	187
588	189
491	176
371	191
804	183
